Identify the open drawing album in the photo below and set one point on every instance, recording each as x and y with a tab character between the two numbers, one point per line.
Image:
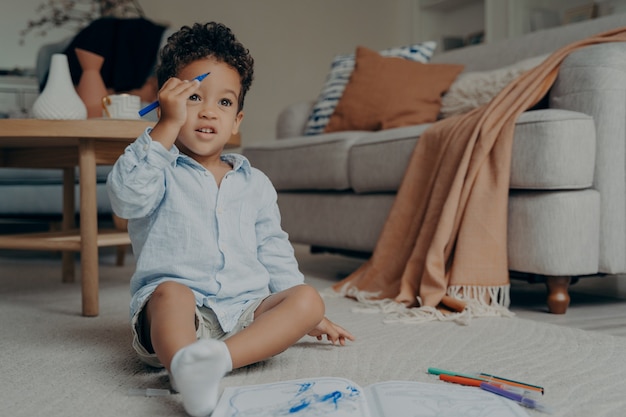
339	397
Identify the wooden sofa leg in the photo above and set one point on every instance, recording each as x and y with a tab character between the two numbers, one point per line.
558	294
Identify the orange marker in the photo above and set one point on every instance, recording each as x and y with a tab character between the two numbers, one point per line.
476	383
461	380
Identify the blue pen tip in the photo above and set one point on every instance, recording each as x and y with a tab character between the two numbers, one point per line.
202	77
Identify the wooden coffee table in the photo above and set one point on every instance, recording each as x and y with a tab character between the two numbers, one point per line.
67	144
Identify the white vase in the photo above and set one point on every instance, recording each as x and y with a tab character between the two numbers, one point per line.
59	99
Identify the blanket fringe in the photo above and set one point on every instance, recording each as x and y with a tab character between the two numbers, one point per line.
480	302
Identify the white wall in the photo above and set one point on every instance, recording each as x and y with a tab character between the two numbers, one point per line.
292	41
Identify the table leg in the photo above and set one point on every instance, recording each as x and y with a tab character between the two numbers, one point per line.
88	227
68	221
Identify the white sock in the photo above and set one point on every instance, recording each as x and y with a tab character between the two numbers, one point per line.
196	371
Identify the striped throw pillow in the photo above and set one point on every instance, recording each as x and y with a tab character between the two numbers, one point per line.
339	74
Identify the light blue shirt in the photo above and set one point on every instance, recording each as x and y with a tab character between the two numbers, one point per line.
225	243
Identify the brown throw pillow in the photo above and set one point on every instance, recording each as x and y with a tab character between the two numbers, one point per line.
387	92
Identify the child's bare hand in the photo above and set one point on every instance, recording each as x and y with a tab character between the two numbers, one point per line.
173	98
334	333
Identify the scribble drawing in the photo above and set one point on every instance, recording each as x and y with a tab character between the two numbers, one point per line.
302	398
339	397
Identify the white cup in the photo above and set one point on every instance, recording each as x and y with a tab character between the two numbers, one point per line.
121	106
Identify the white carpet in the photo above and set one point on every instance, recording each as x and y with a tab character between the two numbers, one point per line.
56	363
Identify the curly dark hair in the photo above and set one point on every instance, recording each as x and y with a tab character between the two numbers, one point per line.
201	41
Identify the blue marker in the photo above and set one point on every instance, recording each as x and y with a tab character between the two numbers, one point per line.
155	104
518	398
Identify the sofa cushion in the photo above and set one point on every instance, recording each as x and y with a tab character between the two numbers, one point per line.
34	192
378	160
552	149
45	200
473	89
388	92
292	119
26	176
340	71
317	163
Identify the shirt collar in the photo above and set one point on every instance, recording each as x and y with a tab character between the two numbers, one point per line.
237	161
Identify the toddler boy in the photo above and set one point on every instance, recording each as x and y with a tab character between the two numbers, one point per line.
217	285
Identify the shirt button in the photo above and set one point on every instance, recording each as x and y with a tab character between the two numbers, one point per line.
146	147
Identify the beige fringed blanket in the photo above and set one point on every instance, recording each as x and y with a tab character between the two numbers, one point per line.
443	249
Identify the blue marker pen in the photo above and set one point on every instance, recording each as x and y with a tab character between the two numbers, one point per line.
518	398
155	104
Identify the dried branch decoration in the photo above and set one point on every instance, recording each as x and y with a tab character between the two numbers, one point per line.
76	14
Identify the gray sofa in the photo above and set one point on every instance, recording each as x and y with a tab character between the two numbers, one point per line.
38	193
567	204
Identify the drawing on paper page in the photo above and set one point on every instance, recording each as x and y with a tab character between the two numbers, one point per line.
302	398
340	397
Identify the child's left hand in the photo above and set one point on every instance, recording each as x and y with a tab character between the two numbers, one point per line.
334	333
